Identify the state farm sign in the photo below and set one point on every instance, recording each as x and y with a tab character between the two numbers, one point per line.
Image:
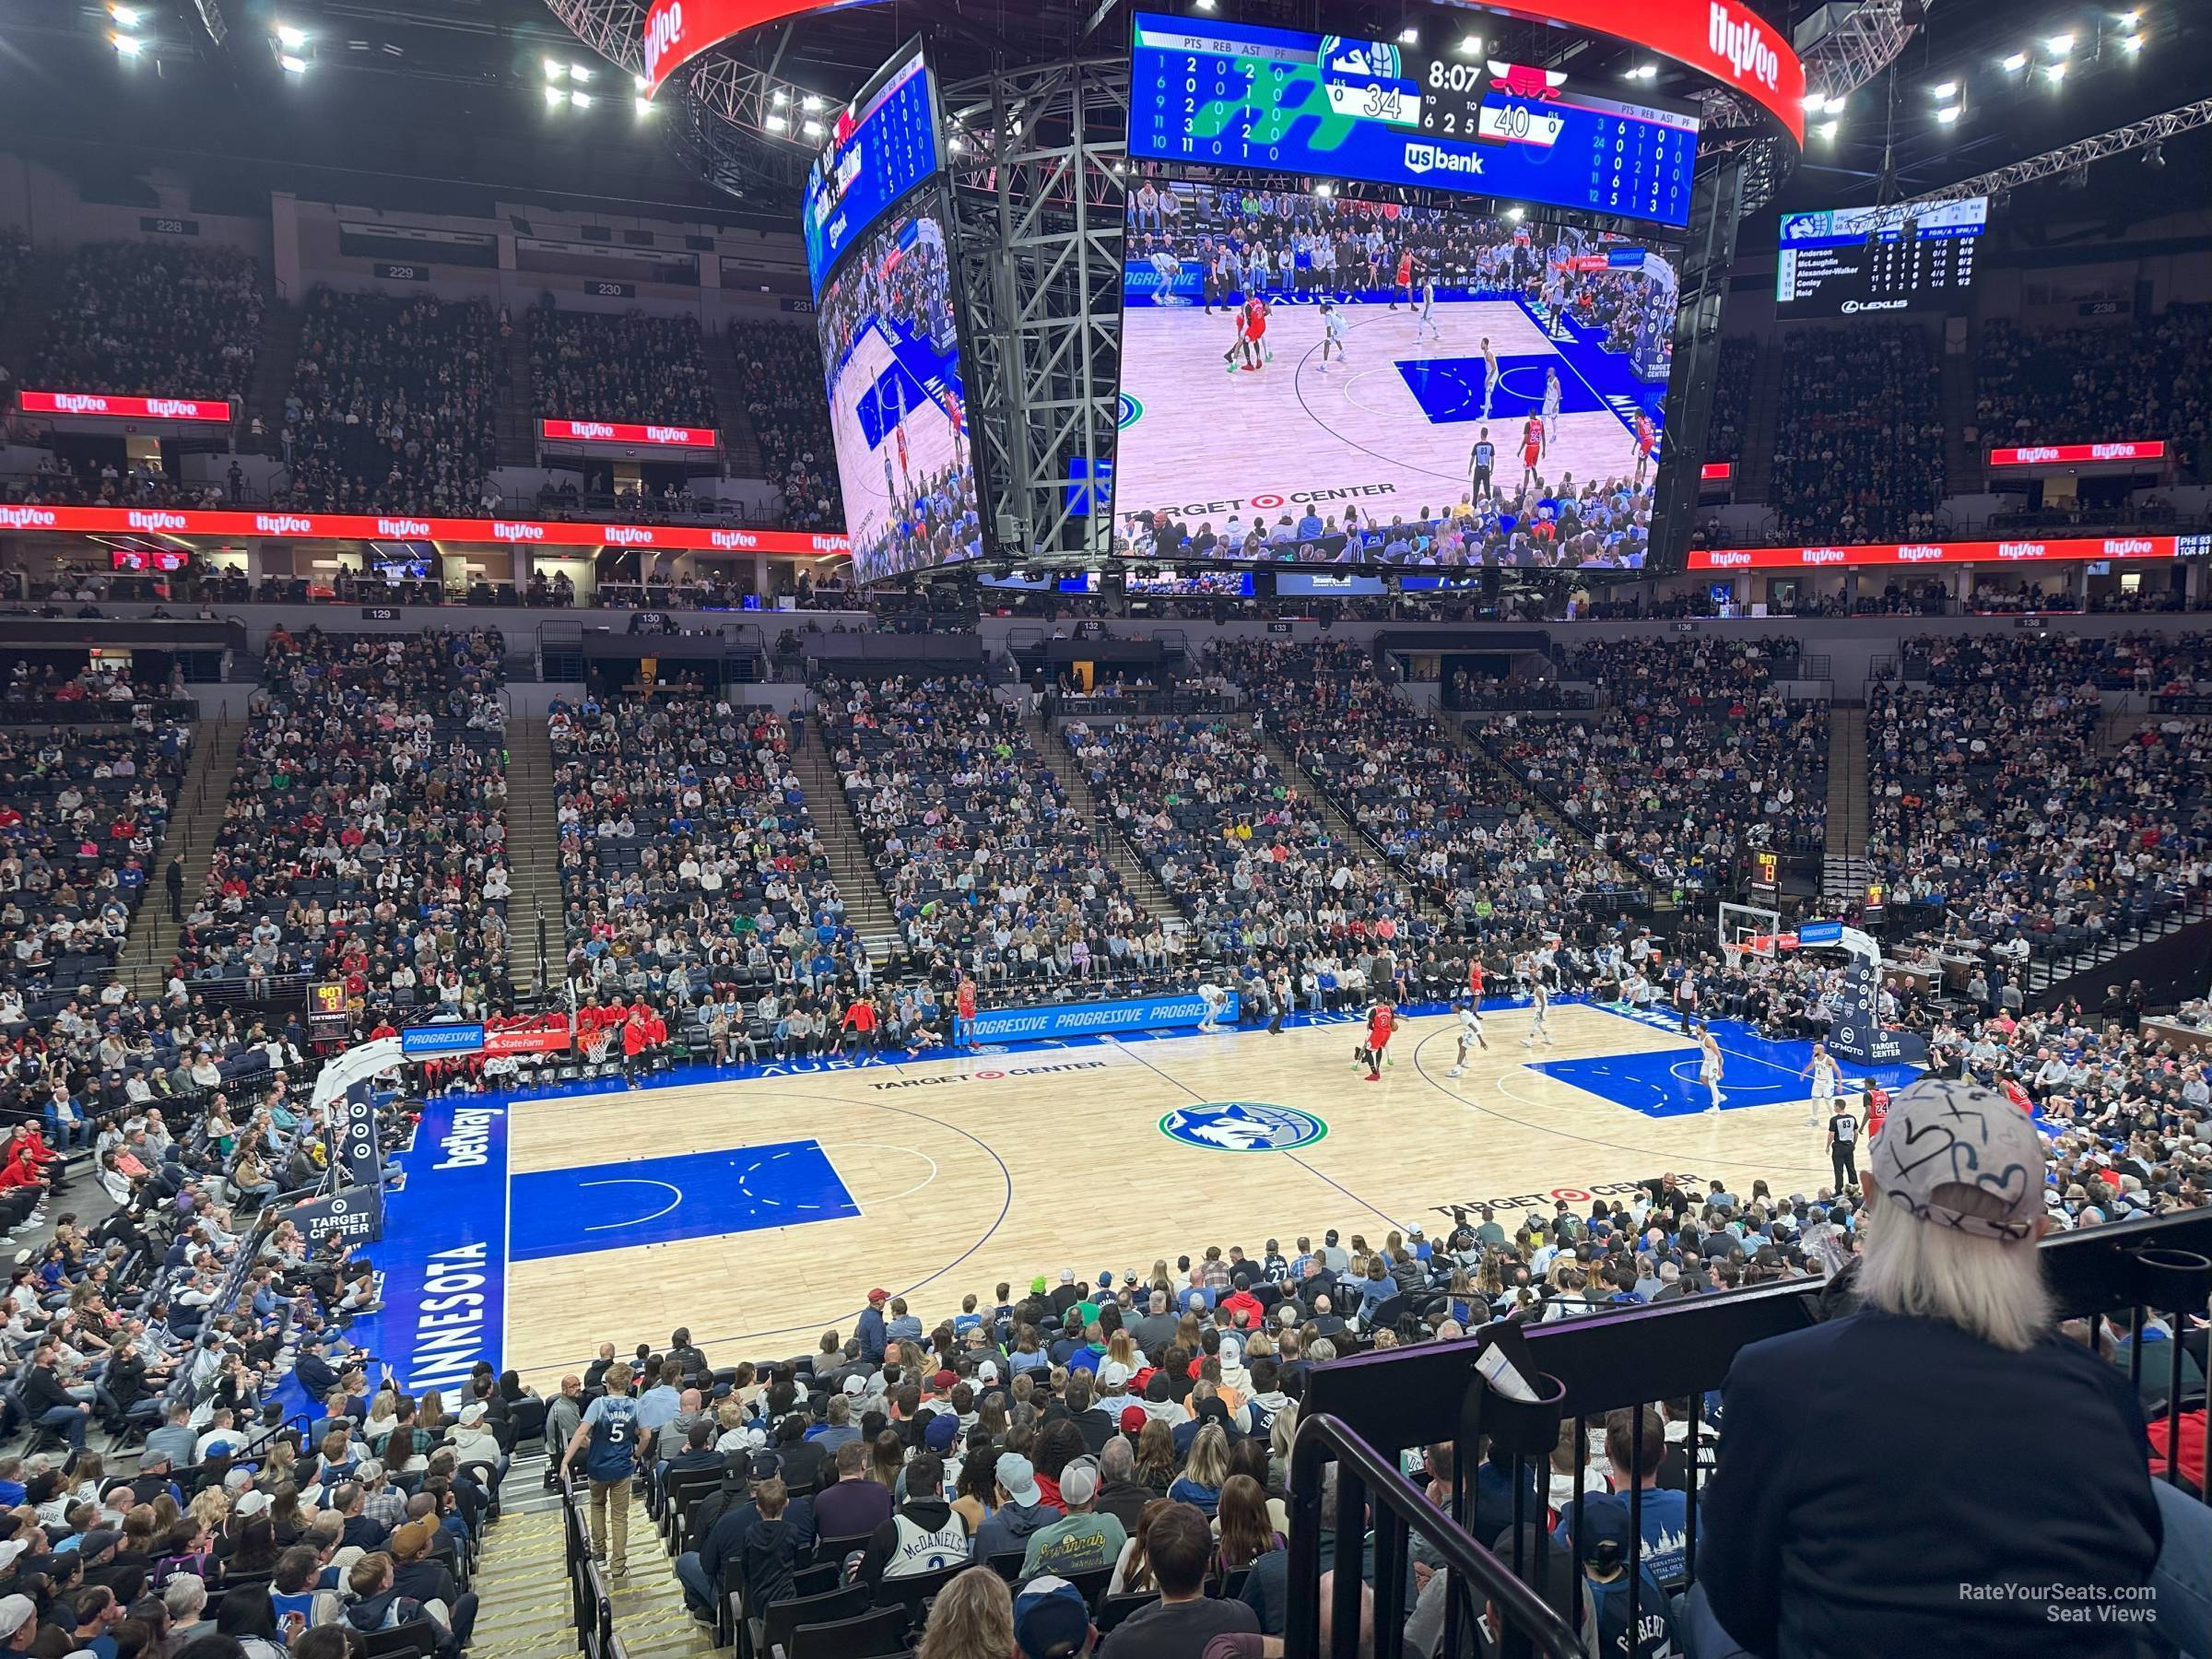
111	406
617	431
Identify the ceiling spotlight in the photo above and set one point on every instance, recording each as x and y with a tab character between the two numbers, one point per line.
579	73
810	103
1826	129
813	129
2058	45
956	144
556	71
776	124
1646	72
2132	42
2129	19
1516	214
645	86
292	64
1206	5
779	98
583	100
1470	45
555	98
2155	156
2016	62
644	105
2055	72
1409	36
1949	113
127	16
1944	90
128	46
289	37
1833	104
1812	101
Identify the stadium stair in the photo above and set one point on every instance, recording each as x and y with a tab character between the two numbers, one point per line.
275	362
23	327
1150	895
517	420
741	456
866	908
1964	464
532	854
1843	867
193	826
1755	478
521	1581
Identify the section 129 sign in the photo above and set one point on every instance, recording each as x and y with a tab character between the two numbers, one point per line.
1285	101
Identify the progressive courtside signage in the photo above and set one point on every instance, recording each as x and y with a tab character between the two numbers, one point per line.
2023	551
363	526
111	405
618	431
2068	454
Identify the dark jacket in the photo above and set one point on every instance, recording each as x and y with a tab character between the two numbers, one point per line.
1125	1501
771	1557
1807	1544
1009	1527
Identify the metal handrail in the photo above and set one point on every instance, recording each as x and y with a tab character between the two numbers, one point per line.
1526	1625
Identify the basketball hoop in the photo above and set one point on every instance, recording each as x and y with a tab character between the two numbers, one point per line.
596	1046
1732	956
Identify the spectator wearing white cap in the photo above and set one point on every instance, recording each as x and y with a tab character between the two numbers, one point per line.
474	1442
18	1624
1021	1510
1082	1539
1901	1551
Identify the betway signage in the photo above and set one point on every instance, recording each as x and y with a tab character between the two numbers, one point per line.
358	526
1946	553
618	431
1721	39
2071	455
111	406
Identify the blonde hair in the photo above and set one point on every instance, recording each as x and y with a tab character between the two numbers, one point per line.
1988	1287
1208	1462
973	1617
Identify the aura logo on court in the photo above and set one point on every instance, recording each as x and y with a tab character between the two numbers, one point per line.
1242	1126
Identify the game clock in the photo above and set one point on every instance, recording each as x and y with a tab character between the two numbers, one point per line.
1285	101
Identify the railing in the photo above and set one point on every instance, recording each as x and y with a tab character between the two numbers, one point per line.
1385	1401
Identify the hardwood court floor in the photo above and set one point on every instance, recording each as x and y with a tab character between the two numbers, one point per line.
1002	1166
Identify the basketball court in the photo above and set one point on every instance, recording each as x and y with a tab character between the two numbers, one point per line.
1387	429
758	1210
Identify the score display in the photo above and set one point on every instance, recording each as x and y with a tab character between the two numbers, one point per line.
1286	100
885	144
1840	262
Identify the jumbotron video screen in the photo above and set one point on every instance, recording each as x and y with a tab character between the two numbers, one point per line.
1315	378
898	409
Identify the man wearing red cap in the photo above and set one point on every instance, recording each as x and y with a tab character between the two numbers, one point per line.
869	1332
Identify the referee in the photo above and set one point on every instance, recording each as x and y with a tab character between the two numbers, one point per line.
1480	459
1843	1149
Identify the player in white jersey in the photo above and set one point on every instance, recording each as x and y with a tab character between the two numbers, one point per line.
1470	1036
1539	1004
1216	999
1489	375
1825	1073
1709	1068
1551	406
1331	332
1429	323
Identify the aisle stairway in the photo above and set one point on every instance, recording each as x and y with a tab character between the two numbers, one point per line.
866	908
741	456
1962	463
1136	876
1843	867
23	326
196	817
1755	471
275	363
532	854
517	422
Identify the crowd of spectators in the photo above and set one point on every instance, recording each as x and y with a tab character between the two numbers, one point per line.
990	873
87	481
1859	437
1697	757
1732	389
789	414
592	366
1995	800
365	835
155	320
14	257
2125	380
394	406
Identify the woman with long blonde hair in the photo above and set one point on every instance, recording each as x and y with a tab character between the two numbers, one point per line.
973	1617
1203	1473
1156	1456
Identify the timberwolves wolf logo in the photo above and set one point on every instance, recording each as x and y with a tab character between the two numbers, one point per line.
1242	1126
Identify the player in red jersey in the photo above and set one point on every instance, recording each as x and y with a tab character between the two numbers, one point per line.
963	1026
1405	278
1647	440
1382	1020
1256	332
1475	981
1877	1109
1532	447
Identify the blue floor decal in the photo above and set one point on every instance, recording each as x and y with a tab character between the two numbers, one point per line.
1755	1071
1450	389
663	1200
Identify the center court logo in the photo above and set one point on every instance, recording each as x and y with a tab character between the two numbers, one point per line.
1242	1126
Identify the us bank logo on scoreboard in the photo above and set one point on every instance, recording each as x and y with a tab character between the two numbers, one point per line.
1242	1126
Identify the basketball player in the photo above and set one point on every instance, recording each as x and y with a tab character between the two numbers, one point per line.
1429	323
1331	332
1489	375
1481	460
1404	280
1539	1004
1551	406
1877	1109
1470	1032
1256	332
1215	999
963	1023
1647	440
1474	981
1531	449
1709	1067
1825	1073
1844	1147
1381	1020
